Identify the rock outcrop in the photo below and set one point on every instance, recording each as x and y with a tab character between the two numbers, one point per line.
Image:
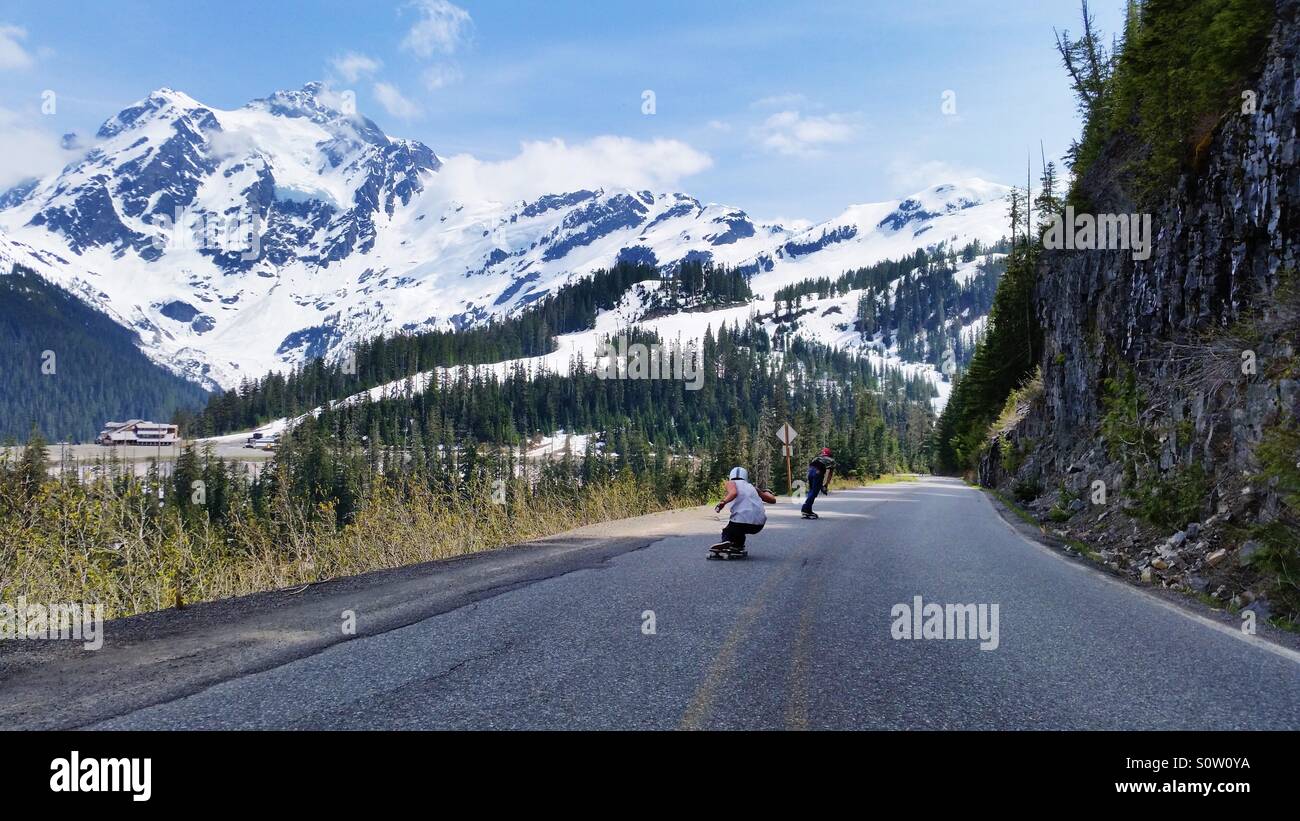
1206	325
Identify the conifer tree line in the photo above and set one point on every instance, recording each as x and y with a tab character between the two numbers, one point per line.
639	421
386	358
744	369
66	368
1012	348
468	428
1164	82
914	305
464	441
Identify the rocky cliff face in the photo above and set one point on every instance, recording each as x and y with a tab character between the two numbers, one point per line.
1188	323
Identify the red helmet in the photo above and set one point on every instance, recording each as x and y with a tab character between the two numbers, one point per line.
826	451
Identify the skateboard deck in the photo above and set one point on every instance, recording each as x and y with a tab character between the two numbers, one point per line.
725	550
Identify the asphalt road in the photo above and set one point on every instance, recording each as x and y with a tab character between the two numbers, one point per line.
799	636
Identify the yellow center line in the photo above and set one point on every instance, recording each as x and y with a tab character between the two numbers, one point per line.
702	703
796	714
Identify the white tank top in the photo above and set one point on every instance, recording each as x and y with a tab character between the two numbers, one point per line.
747	507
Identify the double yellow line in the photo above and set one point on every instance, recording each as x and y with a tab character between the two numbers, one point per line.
697	712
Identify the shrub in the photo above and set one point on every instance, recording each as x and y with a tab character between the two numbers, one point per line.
1174	500
1026	490
1279	455
1127	440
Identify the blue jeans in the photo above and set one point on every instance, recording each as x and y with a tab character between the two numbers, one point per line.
814	488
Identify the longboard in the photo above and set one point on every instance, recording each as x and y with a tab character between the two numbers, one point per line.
725	550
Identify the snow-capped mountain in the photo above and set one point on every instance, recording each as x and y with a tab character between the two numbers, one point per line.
238	242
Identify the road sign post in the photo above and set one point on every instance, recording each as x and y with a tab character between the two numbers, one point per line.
787	435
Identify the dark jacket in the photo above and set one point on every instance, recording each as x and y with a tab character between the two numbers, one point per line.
820	466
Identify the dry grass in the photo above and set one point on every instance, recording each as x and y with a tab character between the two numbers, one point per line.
1017	406
71	543
883	479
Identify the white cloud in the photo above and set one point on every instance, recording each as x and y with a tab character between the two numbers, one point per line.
436	77
226	144
443	28
345	100
27	150
795	134
906	174
12	54
394	102
353	66
551	166
718	125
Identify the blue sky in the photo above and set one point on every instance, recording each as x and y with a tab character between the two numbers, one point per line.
790	110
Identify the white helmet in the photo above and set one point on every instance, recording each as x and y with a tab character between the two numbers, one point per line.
739	473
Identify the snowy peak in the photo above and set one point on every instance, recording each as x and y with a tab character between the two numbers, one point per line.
294	162
951	213
940	200
922	206
335	112
163	104
313	101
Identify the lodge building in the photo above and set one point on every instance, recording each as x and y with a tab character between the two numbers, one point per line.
139	432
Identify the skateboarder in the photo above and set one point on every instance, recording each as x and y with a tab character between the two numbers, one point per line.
747	513
820	472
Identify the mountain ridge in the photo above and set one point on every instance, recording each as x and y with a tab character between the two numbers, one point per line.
356	238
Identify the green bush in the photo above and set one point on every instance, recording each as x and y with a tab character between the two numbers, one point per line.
1026	490
1121	427
1174	500
1279	455
1170	501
